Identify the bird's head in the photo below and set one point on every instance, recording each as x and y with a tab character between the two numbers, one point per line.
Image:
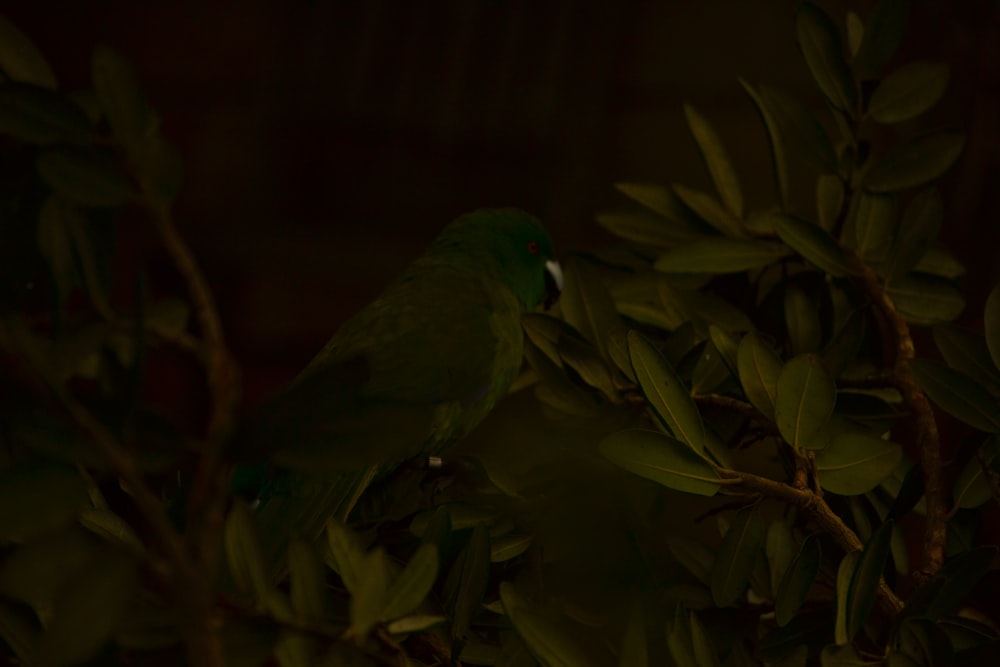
509	245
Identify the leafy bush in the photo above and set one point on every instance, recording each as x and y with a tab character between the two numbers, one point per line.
766	356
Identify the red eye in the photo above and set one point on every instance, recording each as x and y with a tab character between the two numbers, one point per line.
533	247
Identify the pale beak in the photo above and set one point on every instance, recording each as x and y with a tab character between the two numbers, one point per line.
553	282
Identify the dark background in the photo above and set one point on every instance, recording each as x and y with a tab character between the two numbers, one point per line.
325	143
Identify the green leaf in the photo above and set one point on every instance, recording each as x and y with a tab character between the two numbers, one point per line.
781	548
34	572
21	60
797	581
587	305
967	353
634	651
972	488
711	211
820	43
845	573
941	263
804	400
923	641
844	656
908	92
710	371
925	299
800	129
814	244
864	583
735	558
84	177
37	499
242	548
55	242
371	594
158	168
726	345
88	609
874	223
664	202
720	166
665	393
413	584
702	644
662	459
720	255
778	153
991	324
957	395
855	33
472	582
112	528
40	116
801	321
694	556
918	229
945	591
854	463
915	162
551	642
19	630
308	583
120	97
759	367
509	547
346	554
414	624
882	36
829	200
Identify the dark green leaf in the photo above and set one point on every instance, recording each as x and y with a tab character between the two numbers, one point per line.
781	549
308	583
19	631
829	200
720	167
874	223
246	564
414	624
709	372
413	584
814	244
921	640
804	400
551	642
21	60
663	201
40	116
509	547
801	321
84	177
797	581
843	656
845	572
759	368
991	324
864	583
112	528
957	395
702	644
943	594
940	262
35	571
853	463
882	36
711	211
820	43
800	129
665	393
35	500
726	345
919	227
735	558
925	299
966	352
55	242
972	488
720	255
652	230
694	556
587	305
915	162
855	33
662	459
472	582
158	168
634	651
371	595
121	98
346	553
908	92
778	154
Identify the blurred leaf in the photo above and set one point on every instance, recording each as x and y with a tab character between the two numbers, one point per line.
37	499
413	624
800	129
883	33
88	609
926	299
666	394
21	60
587	305
845	573
634	650
966	352
346	553
945	591
843	656
801	321
908	92
778	154
972	488
727	345
84	177
243	554
874	223
820	43
855	33
158	168
553	644
829	200
842	351
694	556
372	592
921	640
940	262
918	228
814	244
804	400
710	371
18	628
853	463
781	549
55	242
864	583
720	255
121	98
808	629
649	230
307	581
759	368
472	582
719	164
915	162
662	459
509	547
711	211
991	324
797	581
40	116
735	558
112	528
413	584
35	571
957	395
702	644
679	640
555	388
663	201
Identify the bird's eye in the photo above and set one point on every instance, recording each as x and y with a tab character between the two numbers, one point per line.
533	247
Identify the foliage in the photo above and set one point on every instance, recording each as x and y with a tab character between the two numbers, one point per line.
711	337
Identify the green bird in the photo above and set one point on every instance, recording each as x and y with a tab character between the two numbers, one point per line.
409	375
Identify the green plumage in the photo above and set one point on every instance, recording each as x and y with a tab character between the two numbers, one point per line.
409	375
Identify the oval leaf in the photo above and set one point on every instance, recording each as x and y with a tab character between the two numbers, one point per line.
307	581
814	244
882	36
735	558
548	640
915	162
84	177
957	395
966	352
646	229
918	229
662	459
829	200
21	60
908	92
759	367
711	211
720	255
972	488
820	43
804	400
800	129
41	116
720	167
926	299
413	584
587	305
797	581
120	96
778	154
874	223
853	463
865	582
845	572
801	321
